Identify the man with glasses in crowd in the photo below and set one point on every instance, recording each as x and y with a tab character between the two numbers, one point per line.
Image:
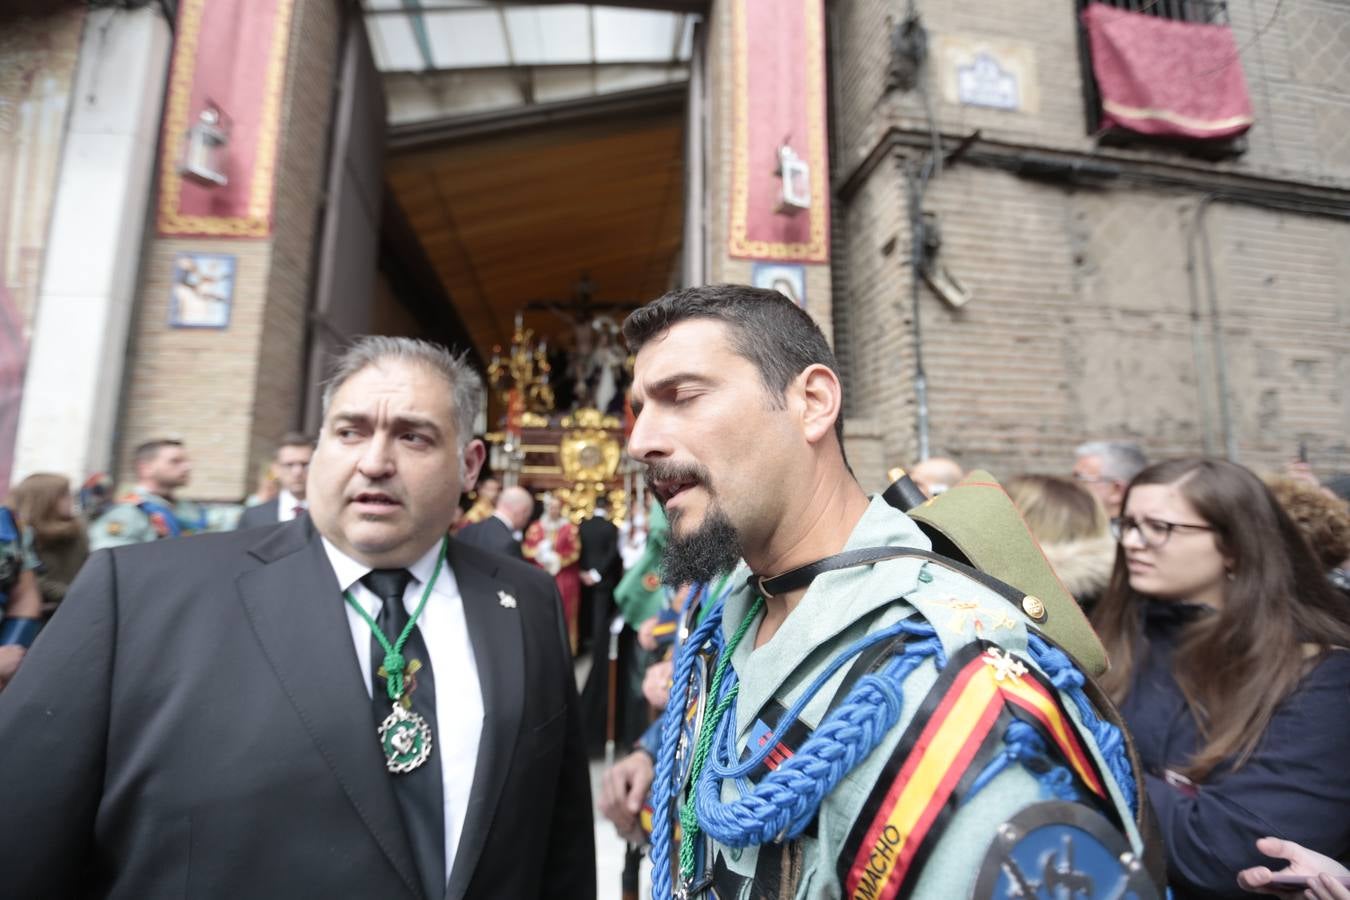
291	468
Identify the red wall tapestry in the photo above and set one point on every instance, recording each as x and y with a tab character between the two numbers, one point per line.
778	51
230	53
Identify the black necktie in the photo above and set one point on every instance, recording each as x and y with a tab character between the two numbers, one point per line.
419	791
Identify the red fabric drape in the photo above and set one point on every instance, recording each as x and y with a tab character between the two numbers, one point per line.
1167	78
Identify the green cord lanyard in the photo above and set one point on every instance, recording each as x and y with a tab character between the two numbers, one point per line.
712	717
393	653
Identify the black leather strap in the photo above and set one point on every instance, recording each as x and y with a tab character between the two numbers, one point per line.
802	576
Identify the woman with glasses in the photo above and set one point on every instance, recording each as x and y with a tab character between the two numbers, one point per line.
1229	663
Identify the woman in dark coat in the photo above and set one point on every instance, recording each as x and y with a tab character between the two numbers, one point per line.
1230	665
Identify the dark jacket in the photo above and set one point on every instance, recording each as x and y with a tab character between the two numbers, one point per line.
600	550
491	534
262	514
1293	786
193	723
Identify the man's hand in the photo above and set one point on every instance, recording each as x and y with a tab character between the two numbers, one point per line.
623	789
656	683
1302	861
645	638
10	657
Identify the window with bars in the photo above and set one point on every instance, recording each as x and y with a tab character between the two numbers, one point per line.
1203	12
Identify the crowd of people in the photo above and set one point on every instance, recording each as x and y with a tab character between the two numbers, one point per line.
859	700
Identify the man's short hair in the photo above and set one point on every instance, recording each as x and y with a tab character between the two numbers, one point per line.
296	439
768	329
1121	460
148	451
370	350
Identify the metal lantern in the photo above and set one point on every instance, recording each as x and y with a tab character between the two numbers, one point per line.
795	195
204	149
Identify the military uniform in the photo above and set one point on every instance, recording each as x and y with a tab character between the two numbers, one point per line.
796	804
140	517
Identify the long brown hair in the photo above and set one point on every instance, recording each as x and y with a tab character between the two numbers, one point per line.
35	501
1057	510
1279	617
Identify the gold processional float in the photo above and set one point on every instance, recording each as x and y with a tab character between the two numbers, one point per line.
577	455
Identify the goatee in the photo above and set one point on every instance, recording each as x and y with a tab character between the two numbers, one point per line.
712	550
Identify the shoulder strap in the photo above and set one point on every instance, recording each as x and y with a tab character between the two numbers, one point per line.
864	556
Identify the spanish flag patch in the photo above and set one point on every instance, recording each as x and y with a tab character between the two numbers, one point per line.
957	731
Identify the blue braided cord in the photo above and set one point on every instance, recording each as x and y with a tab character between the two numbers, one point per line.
1066	678
1059	784
733	770
664	788
783	804
1023	743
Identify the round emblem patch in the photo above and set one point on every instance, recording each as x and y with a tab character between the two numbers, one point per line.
1054	850
651	581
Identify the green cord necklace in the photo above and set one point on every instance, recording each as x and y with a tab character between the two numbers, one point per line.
712	717
404	735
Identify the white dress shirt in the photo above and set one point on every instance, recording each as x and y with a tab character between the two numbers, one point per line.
286	504
459	697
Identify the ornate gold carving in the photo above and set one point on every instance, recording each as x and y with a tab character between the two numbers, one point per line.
589	455
590	418
533	420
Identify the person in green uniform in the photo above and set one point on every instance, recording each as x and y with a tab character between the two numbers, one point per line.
151	510
857	717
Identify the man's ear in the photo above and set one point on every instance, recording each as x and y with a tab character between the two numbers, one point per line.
822	399
470	464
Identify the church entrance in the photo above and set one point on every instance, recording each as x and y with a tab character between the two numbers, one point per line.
531	193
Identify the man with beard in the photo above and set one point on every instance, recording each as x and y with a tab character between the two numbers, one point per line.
150	511
858	717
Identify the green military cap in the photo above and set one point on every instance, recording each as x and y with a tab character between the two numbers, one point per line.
978	521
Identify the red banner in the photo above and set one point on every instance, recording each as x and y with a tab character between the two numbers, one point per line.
1167	78
779	70
230	54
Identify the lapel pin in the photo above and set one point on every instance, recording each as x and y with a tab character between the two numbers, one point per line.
506	600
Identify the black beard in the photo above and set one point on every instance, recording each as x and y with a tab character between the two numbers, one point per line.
703	555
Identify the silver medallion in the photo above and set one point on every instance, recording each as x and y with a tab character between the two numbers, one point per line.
406	739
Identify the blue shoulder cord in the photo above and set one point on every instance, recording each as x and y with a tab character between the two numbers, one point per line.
783	804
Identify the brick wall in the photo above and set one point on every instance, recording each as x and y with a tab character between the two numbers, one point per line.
301	172
231	394
1087	320
1295	57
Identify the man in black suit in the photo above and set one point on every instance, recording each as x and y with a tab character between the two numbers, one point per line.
501	531
292	470
218	718
601	568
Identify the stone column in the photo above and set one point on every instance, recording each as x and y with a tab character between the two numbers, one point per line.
93	252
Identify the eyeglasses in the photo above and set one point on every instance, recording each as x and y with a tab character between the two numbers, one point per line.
1153	532
1090	479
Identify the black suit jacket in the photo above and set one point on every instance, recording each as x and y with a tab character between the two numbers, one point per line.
260	515
600	550
491	534
193	723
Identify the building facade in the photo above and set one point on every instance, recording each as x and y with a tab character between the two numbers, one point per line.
1001	277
